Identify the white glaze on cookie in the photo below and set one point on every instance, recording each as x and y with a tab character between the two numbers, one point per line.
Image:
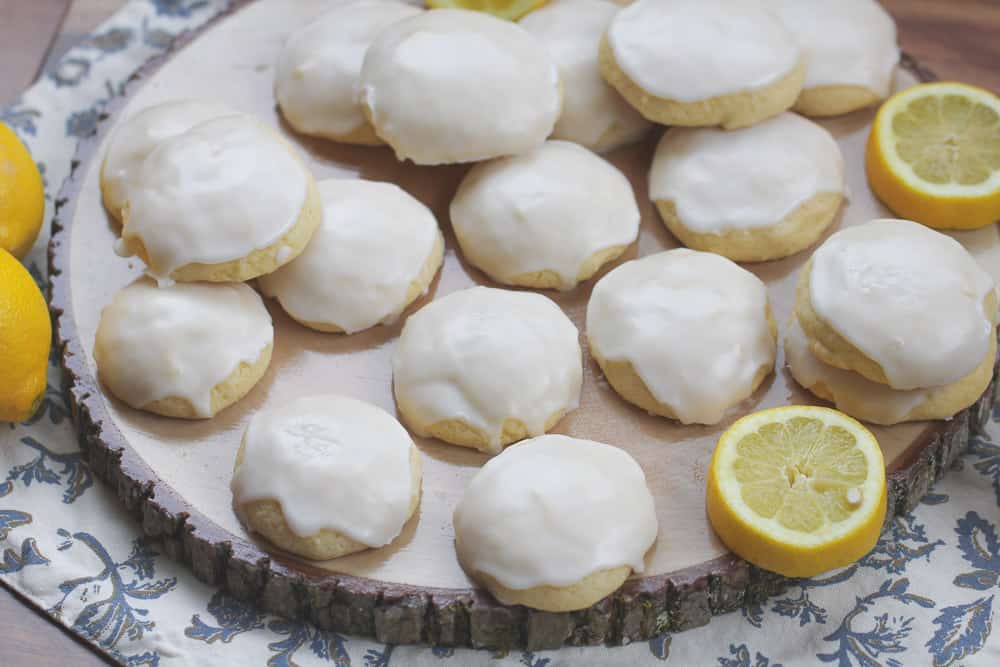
316	81
720	180
692	50
356	271
908	297
594	114
181	341
331	462
882	404
553	510
551	208
213	194
692	324
138	135
846	43
483	355
453	85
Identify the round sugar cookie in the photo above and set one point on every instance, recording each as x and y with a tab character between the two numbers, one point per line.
593	114
138	135
870	401
548	218
556	542
901	304
484	367
326	476
226	201
185	351
375	252
452	85
316	79
753	194
702	62
682	334
851	51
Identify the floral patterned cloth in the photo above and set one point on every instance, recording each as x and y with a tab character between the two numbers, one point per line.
926	595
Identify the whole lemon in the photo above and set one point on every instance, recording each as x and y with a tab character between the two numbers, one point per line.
22	197
25	339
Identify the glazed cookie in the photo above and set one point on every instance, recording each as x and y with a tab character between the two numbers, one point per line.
899	303
186	351
702	62
375	252
682	334
548	218
316	81
753	194
226	201
594	114
326	476
878	403
452	85
555	546
485	367
851	51
138	135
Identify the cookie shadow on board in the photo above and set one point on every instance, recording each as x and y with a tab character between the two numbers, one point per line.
849	123
444	452
433	185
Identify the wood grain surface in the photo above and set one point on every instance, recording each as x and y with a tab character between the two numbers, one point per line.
957	39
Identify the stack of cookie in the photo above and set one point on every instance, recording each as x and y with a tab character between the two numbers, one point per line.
894	322
207	198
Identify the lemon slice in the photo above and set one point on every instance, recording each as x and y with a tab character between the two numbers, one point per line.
505	9
934	155
797	490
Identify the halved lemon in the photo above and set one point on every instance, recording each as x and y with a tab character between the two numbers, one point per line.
797	490
511	10
933	155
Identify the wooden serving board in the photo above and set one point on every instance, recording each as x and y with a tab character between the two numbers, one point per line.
174	475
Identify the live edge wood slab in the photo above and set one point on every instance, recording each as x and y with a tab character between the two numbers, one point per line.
121	445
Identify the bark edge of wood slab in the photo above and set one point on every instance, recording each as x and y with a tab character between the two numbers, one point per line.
396	613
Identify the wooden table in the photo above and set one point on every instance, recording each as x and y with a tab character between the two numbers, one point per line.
956	39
